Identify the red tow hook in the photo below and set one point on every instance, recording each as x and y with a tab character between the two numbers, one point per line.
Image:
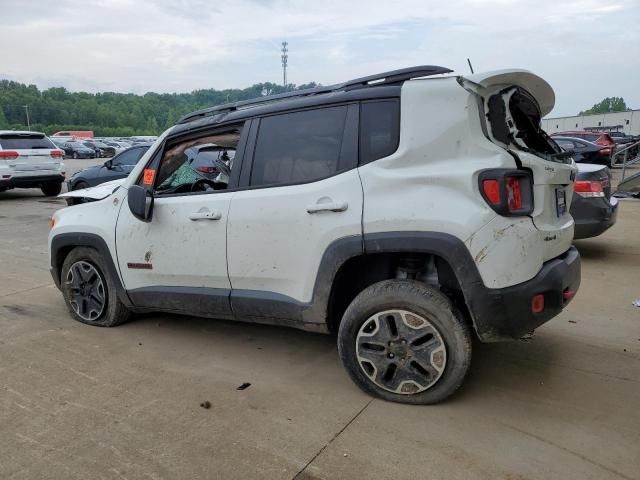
568	295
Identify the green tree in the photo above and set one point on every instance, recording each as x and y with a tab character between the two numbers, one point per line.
608	105
4	124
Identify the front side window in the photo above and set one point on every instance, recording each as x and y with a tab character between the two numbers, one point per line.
197	165
298	147
379	129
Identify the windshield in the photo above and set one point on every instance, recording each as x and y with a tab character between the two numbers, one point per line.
514	117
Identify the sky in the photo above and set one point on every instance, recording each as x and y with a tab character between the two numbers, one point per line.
586	49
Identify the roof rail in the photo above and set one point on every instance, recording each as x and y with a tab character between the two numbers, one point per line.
385	78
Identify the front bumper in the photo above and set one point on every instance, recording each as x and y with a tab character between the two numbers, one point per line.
505	313
593	216
31	181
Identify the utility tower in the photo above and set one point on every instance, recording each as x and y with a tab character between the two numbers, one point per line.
284	57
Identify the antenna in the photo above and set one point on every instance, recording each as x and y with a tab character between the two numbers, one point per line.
470	66
284	57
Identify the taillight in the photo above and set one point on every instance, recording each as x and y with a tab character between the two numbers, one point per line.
588	188
491	189
514	194
206	169
8	155
605	151
508	192
57	153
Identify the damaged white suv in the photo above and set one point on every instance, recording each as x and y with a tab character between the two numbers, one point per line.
404	211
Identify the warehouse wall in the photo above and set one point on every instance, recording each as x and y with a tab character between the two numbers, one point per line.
628	122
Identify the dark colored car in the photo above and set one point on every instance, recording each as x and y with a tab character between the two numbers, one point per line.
599	138
101	148
77	150
118	167
584	151
593	208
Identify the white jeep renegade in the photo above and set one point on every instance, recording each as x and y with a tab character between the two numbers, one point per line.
402	211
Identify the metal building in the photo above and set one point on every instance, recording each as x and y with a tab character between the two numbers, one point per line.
627	122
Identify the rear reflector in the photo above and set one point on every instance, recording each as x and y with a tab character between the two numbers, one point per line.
588	188
491	190
8	155
537	303
568	295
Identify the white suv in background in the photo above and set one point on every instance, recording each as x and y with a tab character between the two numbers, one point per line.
30	160
403	212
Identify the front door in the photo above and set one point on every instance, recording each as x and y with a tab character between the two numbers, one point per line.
177	261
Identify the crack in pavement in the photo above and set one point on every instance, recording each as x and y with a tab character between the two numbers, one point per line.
319	452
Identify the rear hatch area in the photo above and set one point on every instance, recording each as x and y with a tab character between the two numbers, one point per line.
28	153
514	103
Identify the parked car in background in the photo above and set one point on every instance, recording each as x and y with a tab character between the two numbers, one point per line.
599	138
101	148
119	147
117	167
584	151
593	208
30	160
77	150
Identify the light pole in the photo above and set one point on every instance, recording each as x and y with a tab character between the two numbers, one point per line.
284	57
26	110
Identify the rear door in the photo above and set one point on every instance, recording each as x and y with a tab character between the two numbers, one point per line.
34	154
302	192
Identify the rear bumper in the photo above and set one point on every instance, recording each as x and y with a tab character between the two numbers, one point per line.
31	181
505	313
593	216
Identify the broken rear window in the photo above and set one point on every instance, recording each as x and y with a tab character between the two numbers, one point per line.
514	117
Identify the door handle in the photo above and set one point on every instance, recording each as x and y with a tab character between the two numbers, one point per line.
206	215
328	207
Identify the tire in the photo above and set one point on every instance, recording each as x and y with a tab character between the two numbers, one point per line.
80	185
431	363
75	155
51	189
88	290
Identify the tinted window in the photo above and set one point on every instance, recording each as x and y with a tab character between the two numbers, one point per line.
565	144
379	129
19	141
130	157
591	137
298	147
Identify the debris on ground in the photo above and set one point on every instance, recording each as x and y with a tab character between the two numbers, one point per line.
244	386
206	404
636	302
572	321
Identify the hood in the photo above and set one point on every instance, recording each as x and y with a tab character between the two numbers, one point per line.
535	85
95	193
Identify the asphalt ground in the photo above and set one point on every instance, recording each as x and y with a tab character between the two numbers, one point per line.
85	402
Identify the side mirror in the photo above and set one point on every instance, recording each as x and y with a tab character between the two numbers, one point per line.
108	164
140	202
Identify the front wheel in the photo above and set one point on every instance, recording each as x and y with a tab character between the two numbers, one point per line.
75	155
51	189
404	341
89	292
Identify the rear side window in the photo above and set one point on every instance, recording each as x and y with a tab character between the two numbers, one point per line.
130	157
298	147
25	142
379	129
591	137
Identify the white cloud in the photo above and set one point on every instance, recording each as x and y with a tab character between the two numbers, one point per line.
585	48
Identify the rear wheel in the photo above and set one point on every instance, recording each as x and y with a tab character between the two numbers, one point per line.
90	293
51	189
404	341
75	155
